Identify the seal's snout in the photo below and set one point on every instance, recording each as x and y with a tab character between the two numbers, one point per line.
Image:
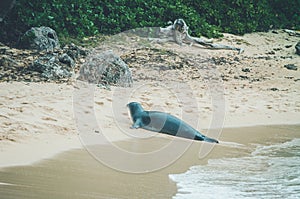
132	104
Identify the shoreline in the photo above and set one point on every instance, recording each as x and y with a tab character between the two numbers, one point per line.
56	145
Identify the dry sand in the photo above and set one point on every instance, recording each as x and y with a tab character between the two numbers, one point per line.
38	120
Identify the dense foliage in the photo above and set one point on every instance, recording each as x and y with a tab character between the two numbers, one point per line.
79	18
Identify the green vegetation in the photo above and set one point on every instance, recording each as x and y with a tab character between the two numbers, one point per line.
81	18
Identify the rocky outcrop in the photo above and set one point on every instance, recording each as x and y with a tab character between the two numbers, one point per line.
105	68
37	66
40	38
51	67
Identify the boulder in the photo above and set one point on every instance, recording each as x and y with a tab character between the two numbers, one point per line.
40	38
50	67
105	68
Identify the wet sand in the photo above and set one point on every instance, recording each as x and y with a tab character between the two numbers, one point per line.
77	174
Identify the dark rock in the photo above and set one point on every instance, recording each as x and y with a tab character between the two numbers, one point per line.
291	67
298	48
277	49
274	89
219	60
243	77
105	68
50	68
288	46
40	38
286	57
66	59
271	53
289	77
236	59
6	61
74	51
246	70
255	80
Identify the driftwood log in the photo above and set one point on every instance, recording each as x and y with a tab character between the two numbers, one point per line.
178	32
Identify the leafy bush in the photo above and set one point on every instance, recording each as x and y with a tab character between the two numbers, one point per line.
80	18
244	16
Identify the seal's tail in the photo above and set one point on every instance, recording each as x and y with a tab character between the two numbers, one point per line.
207	139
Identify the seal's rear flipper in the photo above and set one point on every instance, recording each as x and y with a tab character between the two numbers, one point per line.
207	139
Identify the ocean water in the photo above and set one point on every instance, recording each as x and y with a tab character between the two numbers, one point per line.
268	172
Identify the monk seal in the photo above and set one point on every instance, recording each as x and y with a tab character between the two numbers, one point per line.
163	123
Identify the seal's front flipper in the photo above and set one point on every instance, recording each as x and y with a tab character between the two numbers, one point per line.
137	124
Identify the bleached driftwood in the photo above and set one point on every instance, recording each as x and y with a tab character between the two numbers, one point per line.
178	32
292	32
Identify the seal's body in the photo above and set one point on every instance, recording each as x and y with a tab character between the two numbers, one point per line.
163	123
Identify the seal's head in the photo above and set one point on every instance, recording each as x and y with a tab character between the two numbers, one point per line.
135	108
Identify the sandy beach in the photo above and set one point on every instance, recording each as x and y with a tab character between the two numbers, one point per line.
240	99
